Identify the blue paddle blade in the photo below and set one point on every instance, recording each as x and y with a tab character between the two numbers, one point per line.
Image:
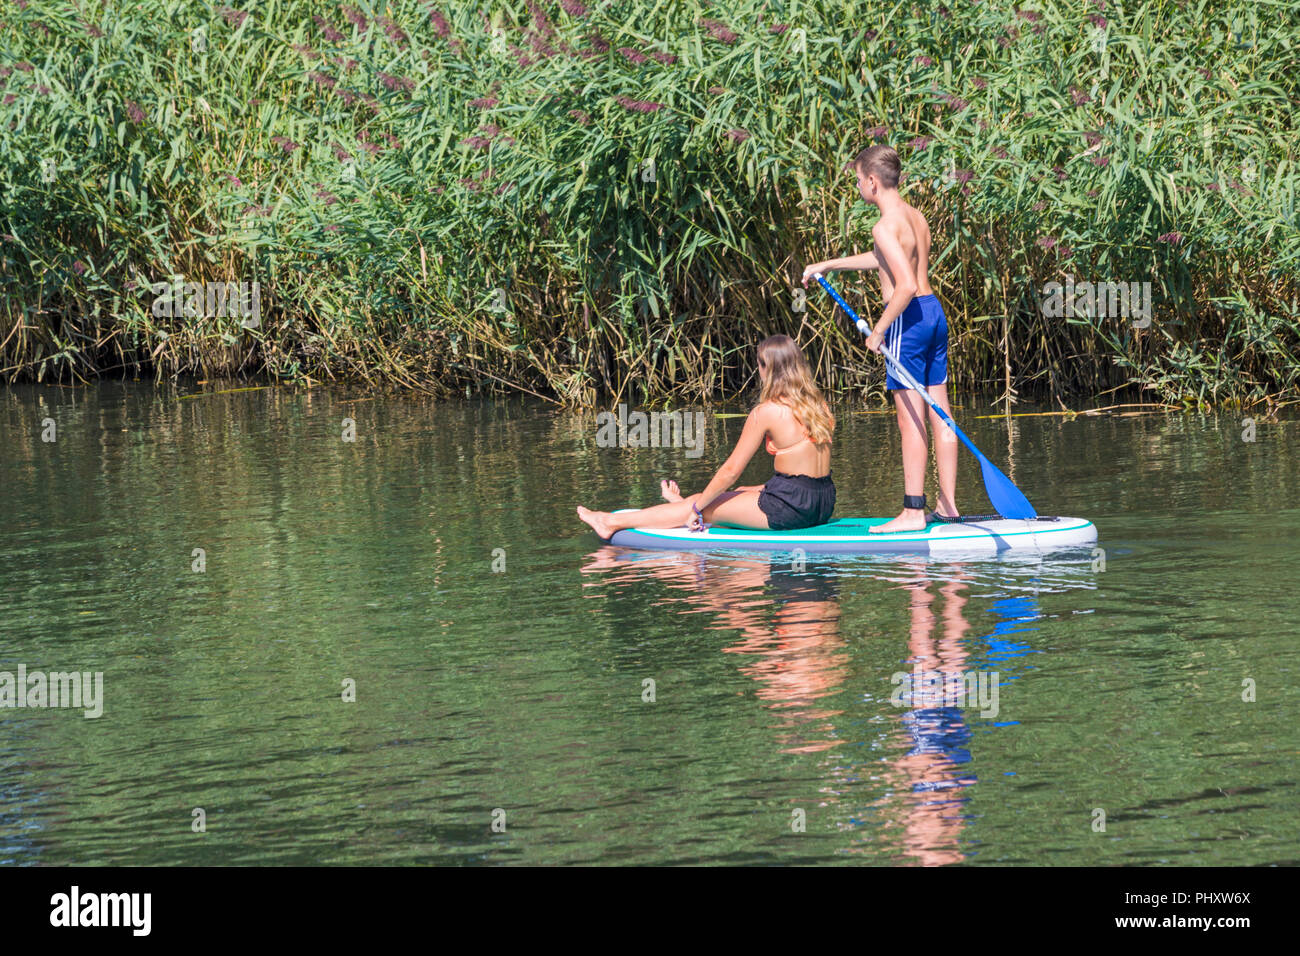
1006	498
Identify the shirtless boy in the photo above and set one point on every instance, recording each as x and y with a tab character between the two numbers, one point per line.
914	329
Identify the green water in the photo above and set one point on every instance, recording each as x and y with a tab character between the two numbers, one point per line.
522	690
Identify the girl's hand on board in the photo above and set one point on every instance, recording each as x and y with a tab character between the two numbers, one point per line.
697	520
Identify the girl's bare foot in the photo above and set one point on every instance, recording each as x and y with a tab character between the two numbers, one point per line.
912	519
599	522
670	490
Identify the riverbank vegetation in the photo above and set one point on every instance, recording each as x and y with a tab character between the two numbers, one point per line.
585	200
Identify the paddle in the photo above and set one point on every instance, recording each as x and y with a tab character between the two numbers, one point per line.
1006	498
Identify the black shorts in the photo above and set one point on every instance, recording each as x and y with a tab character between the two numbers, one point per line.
813	584
792	502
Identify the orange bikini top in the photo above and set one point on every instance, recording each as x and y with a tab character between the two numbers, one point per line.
774	451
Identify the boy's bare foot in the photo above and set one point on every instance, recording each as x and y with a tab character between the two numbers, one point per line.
912	519
670	490
942	510
599	522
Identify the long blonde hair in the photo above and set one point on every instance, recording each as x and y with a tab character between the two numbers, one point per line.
790	383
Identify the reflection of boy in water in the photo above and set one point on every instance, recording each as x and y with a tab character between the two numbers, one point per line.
932	815
941	731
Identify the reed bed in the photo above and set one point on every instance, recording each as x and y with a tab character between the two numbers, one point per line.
584	200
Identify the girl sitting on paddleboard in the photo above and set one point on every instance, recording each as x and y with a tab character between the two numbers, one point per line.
795	420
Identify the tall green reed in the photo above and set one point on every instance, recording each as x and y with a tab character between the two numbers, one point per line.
617	199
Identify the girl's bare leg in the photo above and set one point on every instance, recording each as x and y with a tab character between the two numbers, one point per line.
673	514
737	509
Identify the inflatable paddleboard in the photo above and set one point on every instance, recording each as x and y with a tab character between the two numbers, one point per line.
853	536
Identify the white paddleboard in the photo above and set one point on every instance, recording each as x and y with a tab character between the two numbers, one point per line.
853	536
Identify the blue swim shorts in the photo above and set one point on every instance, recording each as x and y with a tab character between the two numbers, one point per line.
919	337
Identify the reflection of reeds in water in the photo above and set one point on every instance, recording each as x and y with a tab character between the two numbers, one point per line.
537	200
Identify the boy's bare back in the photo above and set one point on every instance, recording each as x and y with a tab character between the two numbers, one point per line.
909	227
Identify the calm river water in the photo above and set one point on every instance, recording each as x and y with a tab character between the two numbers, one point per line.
234	568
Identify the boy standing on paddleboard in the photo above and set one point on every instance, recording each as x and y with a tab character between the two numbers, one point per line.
913	328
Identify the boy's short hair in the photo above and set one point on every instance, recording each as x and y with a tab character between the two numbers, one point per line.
882	162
